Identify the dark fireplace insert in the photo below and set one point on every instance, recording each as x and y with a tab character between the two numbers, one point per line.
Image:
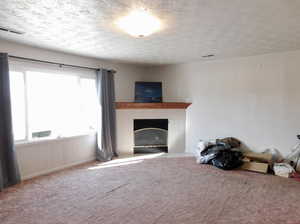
150	135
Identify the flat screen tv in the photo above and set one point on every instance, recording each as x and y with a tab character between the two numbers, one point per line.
148	92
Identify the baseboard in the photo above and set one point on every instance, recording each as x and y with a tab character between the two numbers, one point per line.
56	169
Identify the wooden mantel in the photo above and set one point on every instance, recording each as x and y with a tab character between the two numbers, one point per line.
164	105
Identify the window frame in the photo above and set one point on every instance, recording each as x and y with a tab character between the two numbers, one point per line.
24	69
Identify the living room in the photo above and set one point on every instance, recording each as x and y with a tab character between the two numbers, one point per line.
106	106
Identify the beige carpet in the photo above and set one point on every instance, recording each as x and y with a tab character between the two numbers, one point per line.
160	190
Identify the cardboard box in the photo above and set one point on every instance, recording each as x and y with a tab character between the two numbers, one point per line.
262	157
255	167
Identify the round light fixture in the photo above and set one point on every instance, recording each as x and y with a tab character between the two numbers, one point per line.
139	23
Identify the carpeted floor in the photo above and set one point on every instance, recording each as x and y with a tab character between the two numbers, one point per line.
160	190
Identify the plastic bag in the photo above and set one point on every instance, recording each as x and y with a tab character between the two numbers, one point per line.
293	157
228	160
283	169
219	153
202	145
276	155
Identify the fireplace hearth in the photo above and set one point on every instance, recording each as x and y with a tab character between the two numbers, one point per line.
150	135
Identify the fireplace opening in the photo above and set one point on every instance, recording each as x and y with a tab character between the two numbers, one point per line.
150	135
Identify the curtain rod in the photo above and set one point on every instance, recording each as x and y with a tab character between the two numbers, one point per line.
55	63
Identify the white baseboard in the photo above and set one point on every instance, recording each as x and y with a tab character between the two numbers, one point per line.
36	174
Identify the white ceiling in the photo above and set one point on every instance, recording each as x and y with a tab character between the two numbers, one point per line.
192	28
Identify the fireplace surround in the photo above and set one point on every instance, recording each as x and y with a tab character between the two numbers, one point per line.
125	127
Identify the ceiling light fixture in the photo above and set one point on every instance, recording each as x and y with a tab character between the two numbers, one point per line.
139	23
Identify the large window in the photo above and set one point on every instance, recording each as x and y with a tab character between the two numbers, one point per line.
46	105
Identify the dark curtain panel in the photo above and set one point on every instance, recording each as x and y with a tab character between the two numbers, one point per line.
106	135
9	171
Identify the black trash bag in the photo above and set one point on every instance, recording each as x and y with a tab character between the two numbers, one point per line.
228	160
212	151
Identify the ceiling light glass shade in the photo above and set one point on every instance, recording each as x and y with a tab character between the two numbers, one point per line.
139	23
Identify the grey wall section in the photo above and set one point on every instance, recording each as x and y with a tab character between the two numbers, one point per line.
255	99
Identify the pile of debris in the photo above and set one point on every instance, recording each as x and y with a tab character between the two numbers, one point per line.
221	153
226	154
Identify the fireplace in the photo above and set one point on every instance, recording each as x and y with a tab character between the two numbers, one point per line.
150	135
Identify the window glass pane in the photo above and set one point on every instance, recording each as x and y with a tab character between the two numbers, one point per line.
53	104
89	104
17	88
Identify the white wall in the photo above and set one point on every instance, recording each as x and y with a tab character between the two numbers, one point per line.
46	156
255	99
176	128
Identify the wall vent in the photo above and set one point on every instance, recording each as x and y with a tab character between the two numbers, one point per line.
9	30
208	56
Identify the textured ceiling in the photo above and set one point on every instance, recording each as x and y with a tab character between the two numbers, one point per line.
191	28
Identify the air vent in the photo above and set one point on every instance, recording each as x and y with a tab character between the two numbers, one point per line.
6	29
208	56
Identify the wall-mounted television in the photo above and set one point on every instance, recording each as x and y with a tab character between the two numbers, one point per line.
148	92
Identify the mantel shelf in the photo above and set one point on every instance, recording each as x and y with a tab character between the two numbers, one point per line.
164	105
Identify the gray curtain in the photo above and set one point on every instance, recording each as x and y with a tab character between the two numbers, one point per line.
9	171
106	135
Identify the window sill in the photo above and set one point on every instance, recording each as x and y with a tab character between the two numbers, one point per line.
52	139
